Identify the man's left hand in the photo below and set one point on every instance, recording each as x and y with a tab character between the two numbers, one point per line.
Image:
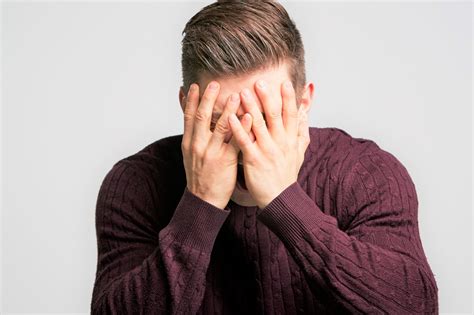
272	162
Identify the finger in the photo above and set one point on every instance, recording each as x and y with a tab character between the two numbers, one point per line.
246	122
248	126
241	137
251	134
290	110
272	108
259	126
222	127
303	132
191	102
202	118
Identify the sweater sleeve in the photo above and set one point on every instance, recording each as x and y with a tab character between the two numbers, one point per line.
376	264
142	270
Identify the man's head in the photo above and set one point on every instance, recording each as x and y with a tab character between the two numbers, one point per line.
236	38
238	42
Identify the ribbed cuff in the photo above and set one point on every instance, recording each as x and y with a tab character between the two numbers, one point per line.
292	214
196	222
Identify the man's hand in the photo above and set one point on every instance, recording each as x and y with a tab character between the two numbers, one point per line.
273	161
209	161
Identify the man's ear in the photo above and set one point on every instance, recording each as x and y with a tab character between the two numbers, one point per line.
181	96
307	97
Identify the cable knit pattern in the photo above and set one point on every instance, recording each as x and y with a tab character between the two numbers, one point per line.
342	239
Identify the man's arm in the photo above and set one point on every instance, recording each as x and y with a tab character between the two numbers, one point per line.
141	270
377	264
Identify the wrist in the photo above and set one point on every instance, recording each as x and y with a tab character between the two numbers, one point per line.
198	191
216	203
264	202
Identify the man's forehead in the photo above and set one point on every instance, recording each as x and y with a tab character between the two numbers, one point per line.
273	75
218	114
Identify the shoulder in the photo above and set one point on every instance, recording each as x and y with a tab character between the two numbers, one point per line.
345	154
158	156
164	150
156	170
333	151
340	167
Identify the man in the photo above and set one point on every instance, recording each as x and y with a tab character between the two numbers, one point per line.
252	211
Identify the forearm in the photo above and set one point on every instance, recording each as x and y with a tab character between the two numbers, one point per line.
362	276
171	280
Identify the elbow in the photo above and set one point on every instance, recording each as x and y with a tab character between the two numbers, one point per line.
98	303
94	309
428	303
102	306
95	306
432	300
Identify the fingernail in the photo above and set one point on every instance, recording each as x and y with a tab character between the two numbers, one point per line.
234	97
213	85
288	84
246	92
261	84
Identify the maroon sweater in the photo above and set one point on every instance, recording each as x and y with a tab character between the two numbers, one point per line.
343	238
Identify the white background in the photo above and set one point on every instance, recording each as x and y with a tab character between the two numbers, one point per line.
86	84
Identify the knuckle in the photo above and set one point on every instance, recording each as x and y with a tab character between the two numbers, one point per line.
184	147
208	156
221	128
201	116
196	148
187	117
259	123
291	112
274	115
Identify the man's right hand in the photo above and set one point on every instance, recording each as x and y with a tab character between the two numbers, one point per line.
209	161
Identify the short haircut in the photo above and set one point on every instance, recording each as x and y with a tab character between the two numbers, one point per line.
231	38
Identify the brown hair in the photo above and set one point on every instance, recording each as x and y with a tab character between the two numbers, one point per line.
231	38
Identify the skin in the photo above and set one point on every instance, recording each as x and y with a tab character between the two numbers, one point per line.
270	147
